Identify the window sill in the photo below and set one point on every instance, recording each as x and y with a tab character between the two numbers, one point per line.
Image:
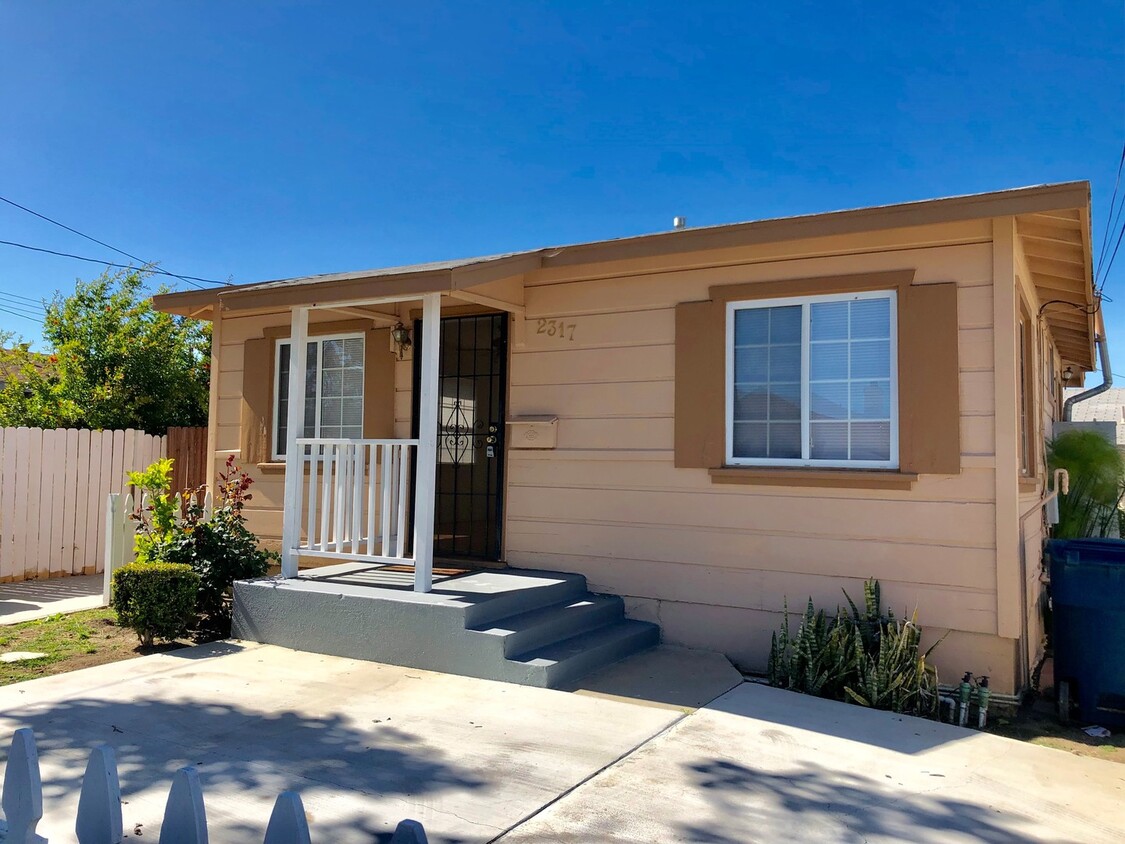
842	478
272	468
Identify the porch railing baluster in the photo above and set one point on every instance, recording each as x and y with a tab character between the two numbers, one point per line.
357	496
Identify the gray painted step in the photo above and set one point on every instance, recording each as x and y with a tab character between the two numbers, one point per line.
577	656
554	588
538	628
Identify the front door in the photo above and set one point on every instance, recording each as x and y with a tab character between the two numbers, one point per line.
472	379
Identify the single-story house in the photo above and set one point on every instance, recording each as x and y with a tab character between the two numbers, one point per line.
706	422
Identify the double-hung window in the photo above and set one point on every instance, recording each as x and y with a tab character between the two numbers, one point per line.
813	381
333	389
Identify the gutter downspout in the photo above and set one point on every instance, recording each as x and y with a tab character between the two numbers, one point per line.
1107	374
1062	485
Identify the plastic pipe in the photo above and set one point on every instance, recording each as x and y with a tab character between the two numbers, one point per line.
966	693
982	703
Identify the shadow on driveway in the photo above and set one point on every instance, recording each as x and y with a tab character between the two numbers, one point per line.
240	751
836	801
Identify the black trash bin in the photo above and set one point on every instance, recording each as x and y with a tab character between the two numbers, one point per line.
1088	611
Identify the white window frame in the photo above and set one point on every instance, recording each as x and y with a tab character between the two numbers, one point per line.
806	406
319	339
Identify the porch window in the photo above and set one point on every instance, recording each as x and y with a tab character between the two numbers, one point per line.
333	389
812	381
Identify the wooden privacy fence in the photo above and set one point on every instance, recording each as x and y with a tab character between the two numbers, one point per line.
188	449
99	818
53	487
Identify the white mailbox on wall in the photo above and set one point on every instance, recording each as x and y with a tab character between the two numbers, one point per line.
533	432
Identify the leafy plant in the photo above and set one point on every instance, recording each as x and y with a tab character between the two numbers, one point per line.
220	549
1097	484
865	657
155	511
156	600
112	362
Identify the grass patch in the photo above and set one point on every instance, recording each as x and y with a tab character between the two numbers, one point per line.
69	642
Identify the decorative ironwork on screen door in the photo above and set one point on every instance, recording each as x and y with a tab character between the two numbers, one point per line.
471	386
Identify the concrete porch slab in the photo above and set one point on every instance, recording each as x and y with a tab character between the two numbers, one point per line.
536	628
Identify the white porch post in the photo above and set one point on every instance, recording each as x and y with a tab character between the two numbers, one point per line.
294	468
427	444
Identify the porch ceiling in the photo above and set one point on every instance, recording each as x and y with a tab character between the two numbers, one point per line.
1057	253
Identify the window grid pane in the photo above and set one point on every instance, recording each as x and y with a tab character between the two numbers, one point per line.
840	408
333	390
767	390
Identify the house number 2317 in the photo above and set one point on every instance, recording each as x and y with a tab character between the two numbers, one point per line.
556	328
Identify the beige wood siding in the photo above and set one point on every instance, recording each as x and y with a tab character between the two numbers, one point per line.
609	503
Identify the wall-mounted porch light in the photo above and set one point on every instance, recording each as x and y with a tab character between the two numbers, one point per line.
400	334
1068	375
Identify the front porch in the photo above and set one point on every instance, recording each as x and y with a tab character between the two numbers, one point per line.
535	628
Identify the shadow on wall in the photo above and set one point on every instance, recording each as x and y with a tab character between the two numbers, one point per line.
813	803
243	754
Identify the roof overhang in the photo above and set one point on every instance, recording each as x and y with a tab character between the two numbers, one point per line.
1057	256
1053	225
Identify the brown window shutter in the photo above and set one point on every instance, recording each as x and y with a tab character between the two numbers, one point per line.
257	399
378	385
929	380
700	438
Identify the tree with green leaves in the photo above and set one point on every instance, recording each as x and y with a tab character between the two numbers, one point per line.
113	362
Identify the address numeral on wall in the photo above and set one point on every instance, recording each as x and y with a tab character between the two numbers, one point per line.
555	328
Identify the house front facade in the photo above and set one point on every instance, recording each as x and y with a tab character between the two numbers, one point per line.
707	422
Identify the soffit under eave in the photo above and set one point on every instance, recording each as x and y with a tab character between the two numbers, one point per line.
1057	253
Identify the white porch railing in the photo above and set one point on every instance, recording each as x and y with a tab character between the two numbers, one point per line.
355	499
99	818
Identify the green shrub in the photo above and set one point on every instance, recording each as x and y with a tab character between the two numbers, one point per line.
218	546
220	549
155	600
865	657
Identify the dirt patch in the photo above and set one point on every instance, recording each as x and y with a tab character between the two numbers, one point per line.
1037	723
70	642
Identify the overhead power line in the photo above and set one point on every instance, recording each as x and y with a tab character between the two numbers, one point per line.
148	267
190	279
23	316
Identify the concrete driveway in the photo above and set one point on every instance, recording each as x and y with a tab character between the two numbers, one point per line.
628	759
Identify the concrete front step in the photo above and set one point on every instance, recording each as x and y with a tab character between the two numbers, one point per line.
539	627
567	660
521	626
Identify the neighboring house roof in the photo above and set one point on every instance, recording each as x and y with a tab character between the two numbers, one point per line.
11	366
1052	225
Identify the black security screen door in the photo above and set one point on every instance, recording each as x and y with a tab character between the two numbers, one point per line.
470	448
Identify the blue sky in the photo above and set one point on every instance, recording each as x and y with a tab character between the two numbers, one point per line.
258	140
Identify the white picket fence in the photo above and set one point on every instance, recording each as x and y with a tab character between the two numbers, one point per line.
121	527
99	819
53	484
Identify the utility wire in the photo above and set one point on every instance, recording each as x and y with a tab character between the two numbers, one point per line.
18	296
1111	217
149	267
24	316
190	279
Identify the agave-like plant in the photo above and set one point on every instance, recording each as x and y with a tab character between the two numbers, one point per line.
866	656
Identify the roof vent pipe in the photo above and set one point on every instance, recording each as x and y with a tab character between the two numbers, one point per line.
679	223
1107	379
